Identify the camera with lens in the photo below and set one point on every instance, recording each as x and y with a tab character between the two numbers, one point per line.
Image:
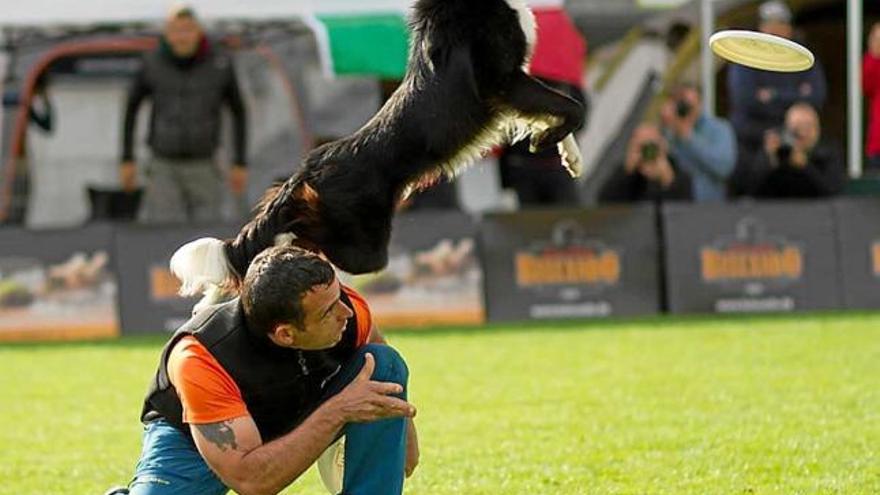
683	108
788	140
649	151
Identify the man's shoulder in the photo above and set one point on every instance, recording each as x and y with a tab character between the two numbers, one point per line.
214	322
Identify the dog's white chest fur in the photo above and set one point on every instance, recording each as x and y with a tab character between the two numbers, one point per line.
526	21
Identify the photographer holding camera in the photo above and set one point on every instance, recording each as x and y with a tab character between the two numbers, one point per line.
795	162
702	145
648	172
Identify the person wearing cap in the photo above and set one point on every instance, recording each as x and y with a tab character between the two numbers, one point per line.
189	80
759	99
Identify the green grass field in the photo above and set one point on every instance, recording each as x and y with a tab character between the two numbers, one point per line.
774	405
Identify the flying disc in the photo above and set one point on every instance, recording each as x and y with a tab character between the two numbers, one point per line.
761	51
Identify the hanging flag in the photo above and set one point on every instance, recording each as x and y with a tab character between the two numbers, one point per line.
363	44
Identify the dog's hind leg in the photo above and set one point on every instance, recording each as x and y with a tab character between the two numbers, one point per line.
534	100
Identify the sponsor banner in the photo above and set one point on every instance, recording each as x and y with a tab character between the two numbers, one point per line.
148	291
859	243
57	284
751	257
433	275
571	263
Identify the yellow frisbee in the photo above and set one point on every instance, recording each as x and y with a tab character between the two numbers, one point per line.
761	51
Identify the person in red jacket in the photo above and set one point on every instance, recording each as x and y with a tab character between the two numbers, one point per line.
871	87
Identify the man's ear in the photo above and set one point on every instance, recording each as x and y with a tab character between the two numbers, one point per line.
283	335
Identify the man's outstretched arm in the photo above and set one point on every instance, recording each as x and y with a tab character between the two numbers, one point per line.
235	451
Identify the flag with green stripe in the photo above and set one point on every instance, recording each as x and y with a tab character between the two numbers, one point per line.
363	44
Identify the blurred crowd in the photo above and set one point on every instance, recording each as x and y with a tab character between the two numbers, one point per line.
769	145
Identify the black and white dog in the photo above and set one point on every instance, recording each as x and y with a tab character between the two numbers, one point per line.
465	91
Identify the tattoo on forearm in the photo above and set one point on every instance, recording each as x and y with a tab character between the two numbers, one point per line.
220	434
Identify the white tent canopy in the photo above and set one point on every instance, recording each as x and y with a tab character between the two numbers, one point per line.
43	13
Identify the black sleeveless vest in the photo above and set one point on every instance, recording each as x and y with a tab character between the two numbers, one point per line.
187	104
280	386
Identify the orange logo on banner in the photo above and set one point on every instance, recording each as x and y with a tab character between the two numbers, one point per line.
567	268
163	284
751	263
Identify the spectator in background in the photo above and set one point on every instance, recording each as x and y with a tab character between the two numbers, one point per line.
871	86
796	163
189	80
759	99
558	61
701	145
648	172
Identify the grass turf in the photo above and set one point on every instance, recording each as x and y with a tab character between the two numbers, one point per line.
773	405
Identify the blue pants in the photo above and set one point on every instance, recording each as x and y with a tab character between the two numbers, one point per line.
374	452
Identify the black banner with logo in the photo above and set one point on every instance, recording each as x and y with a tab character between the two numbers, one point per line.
433	276
571	263
148	291
859	241
57	284
750	257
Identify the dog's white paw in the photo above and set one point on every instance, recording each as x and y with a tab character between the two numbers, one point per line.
571	156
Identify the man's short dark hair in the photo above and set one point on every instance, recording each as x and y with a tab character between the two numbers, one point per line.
275	284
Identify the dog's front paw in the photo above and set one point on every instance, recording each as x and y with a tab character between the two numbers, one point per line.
546	139
571	156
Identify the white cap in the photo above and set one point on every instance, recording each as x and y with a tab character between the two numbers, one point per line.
774	10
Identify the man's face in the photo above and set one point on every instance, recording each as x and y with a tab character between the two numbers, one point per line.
777	28
183	35
692	97
325	318
804	124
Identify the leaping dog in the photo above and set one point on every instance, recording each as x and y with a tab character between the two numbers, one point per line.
466	90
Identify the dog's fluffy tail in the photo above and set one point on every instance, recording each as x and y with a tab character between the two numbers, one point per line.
211	267
201	265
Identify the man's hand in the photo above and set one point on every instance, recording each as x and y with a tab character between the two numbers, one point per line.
682	127
238	176
805	89
412	448
364	400
772	143
799	158
128	176
659	170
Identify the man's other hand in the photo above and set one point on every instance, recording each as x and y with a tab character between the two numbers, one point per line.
128	176
364	400
412	448
238	177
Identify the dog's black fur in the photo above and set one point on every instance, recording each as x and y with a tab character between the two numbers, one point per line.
464	86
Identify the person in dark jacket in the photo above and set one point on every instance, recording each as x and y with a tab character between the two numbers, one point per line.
796	163
759	99
648	172
249	393
189	81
